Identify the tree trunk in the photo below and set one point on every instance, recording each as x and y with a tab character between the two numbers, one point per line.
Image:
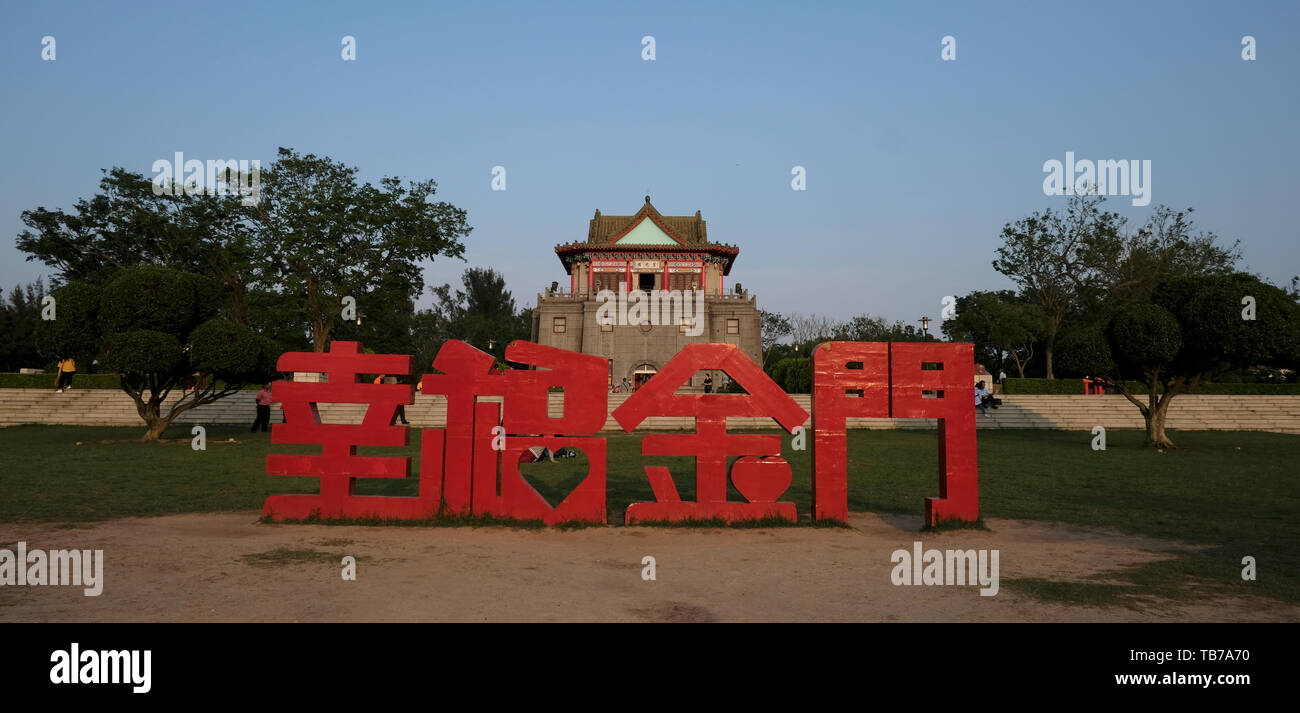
238	308
1020	365
1049	346
319	335
149	400
150	411
155	429
148	403
1155	418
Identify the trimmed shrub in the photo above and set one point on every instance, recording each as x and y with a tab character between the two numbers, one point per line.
1042	386
155	299
1083	351
144	351
224	347
1145	336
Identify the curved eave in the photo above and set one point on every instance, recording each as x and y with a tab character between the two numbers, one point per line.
569	252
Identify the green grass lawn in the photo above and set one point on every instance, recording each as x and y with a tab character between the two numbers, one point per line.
1233	491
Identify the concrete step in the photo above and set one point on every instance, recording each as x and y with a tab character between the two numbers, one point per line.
111	407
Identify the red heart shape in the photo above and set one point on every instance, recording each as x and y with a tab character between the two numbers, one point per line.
761	480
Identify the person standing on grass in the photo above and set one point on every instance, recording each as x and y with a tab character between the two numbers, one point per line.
708	383
67	370
263	408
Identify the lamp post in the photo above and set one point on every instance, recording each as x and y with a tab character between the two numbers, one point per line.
925	326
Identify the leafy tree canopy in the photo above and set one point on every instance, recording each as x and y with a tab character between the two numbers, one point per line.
156	327
321	233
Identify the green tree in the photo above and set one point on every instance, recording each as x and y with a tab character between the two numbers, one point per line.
156	327
319	233
794	374
20	315
1000	325
1051	256
482	313
1084	264
809	330
867	328
75	332
1192	329
1128	266
775	327
128	224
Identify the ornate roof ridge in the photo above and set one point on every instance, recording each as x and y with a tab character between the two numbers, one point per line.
685	229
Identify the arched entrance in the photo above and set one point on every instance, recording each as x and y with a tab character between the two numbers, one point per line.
641	373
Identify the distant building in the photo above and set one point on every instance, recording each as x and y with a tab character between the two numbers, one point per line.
668	258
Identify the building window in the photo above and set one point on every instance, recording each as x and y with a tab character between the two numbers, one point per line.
608	279
607	325
733	326
683	281
557	325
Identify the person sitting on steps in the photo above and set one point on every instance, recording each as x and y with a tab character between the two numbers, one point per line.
980	395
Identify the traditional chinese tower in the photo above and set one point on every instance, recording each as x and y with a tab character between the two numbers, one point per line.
651	252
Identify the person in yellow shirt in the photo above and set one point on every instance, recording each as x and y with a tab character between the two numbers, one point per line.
67	369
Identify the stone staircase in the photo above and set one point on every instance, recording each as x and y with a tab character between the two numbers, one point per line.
106	407
1193	412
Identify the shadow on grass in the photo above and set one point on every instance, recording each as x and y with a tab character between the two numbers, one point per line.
947	525
440	521
719	523
288	556
476	521
1137	587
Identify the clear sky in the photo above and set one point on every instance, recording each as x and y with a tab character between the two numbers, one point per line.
913	163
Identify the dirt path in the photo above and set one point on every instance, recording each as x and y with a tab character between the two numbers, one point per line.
228	567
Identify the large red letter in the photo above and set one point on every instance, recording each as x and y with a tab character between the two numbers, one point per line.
945	391
850	380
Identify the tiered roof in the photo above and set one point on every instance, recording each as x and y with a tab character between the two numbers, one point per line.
623	236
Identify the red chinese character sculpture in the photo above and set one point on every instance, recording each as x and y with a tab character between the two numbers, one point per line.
338	466
479	476
467	374
495	418
760	474
850	380
878	379
948	394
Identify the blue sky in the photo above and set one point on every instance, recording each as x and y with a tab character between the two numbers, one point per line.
913	163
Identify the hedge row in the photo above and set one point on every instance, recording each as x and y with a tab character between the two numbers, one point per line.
79	381
46	381
1075	386
1268	389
